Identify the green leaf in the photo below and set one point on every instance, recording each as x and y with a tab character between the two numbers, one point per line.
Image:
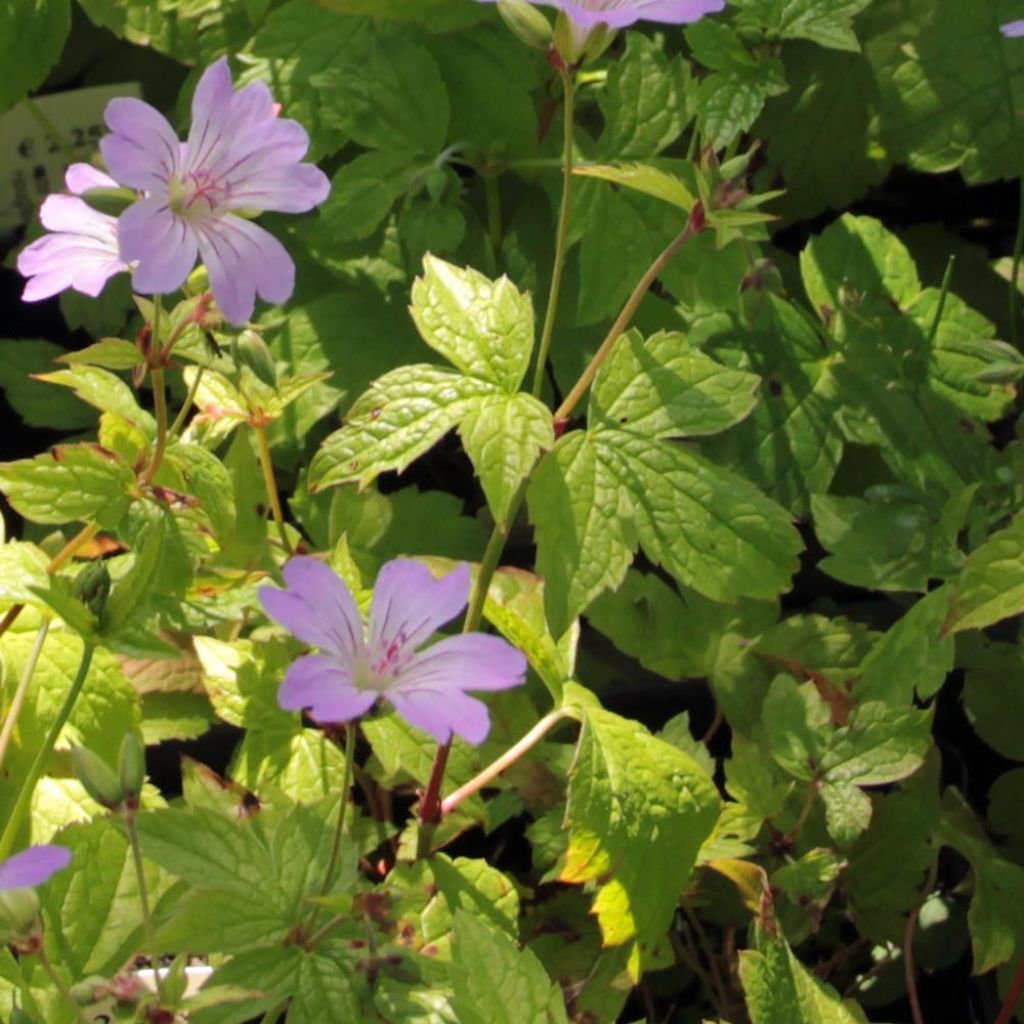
128	597
72	482
362	194
483	327
92	908
207	849
991	586
326	989
708	527
967	116
996	917
889	544
665	388
32	35
386	93
826	22
175	716
585	539
993	698
402	415
36	403
646	103
780	990
495	983
503	436
108	353
888	864
642	178
638	811
733	95
105	391
439	15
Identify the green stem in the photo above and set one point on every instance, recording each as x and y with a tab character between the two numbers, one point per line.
317	937
496	767
179	420
430	805
19	694
267	465
947	280
50	128
58	984
147	915
28	785
492	193
57	563
694	226
1018	251
562	235
339	832
156	376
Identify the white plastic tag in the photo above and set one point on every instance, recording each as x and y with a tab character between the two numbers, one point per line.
32	164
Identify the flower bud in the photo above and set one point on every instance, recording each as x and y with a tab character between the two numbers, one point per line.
19	912
95	775
526	22
251	350
131	766
92	587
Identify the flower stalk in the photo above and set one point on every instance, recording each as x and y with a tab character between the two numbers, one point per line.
20	693
128	814
562	231
28	784
270	483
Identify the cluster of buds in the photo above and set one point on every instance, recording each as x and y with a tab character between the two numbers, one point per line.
116	791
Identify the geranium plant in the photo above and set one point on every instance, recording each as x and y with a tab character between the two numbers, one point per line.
520	514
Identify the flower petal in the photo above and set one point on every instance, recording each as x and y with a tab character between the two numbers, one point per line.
320	684
442	713
470	661
244	261
212	123
318	608
619	13
164	245
291	188
143	151
1012	29
409	605
80	178
75	216
33	866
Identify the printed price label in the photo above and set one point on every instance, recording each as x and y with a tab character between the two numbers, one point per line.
32	164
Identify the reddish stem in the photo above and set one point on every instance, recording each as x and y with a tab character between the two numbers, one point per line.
1013	995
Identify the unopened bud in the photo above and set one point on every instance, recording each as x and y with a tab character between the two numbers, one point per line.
131	767
526	23
251	350
92	587
1001	373
19	912
197	282
96	776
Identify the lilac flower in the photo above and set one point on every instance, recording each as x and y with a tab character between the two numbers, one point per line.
239	157
1012	29
620	13
427	687
33	866
82	252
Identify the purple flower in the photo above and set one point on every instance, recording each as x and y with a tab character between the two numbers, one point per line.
427	687
82	252
33	866
620	13
1013	29
239	157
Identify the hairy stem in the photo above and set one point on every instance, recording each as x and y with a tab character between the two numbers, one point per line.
339	832
147	915
19	694
179	421
267	466
58	984
57	563
562	233
28	784
156	376
694	226
496	767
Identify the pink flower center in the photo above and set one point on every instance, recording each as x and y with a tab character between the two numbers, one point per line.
196	195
